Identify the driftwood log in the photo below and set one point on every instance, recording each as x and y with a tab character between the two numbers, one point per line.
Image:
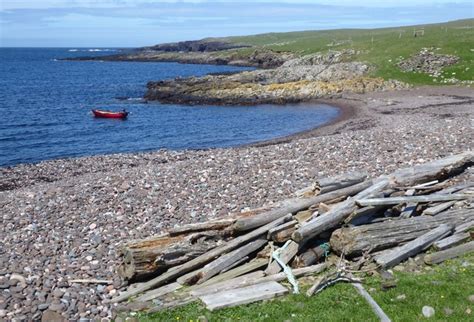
294	206
145	258
337	214
392	257
201	260
435	170
374	237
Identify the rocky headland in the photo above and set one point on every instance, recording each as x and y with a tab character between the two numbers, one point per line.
296	80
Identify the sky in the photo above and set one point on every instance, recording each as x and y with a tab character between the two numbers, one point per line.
134	23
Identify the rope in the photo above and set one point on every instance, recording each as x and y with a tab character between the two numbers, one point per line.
326	248
286	269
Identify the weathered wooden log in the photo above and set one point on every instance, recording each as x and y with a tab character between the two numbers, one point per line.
145	258
296	205
449	253
283	232
410	199
451	241
201	260
325	185
336	215
392	257
341	181
205	226
363	215
435	170
214	267
310	256
382	235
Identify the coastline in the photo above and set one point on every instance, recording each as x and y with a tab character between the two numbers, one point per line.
61	216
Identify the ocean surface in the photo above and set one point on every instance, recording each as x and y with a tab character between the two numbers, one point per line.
45	109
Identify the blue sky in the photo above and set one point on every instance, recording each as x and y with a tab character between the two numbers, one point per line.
133	23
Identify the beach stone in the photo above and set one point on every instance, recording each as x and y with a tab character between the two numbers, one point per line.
448	311
471	298
52	316
57	293
401	297
428	311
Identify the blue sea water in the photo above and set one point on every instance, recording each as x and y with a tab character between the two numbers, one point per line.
45	109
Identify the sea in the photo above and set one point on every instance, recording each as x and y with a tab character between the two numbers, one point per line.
45	109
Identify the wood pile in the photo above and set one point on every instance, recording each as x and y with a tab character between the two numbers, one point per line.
378	223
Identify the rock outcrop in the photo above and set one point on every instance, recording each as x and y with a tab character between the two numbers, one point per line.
426	61
297	80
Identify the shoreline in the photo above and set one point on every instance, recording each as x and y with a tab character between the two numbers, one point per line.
61	217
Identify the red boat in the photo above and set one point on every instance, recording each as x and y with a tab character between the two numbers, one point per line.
110	115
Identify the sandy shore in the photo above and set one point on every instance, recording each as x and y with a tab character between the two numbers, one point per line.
66	219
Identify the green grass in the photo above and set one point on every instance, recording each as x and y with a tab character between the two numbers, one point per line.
445	286
382	47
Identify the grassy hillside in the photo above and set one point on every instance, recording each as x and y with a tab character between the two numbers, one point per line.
383	48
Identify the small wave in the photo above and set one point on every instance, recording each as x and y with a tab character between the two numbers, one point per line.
73	50
97	50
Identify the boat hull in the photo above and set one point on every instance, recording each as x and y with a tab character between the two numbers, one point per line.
109	114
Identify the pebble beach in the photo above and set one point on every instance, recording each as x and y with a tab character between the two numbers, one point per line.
64	220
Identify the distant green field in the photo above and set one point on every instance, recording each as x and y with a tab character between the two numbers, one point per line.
382	48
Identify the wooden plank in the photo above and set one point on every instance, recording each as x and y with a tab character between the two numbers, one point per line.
373	305
153	294
238	271
431	211
410	199
249	280
294	206
286	255
449	253
244	295
214	267
337	214
394	256
451	241
198	261
243	280
464	227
